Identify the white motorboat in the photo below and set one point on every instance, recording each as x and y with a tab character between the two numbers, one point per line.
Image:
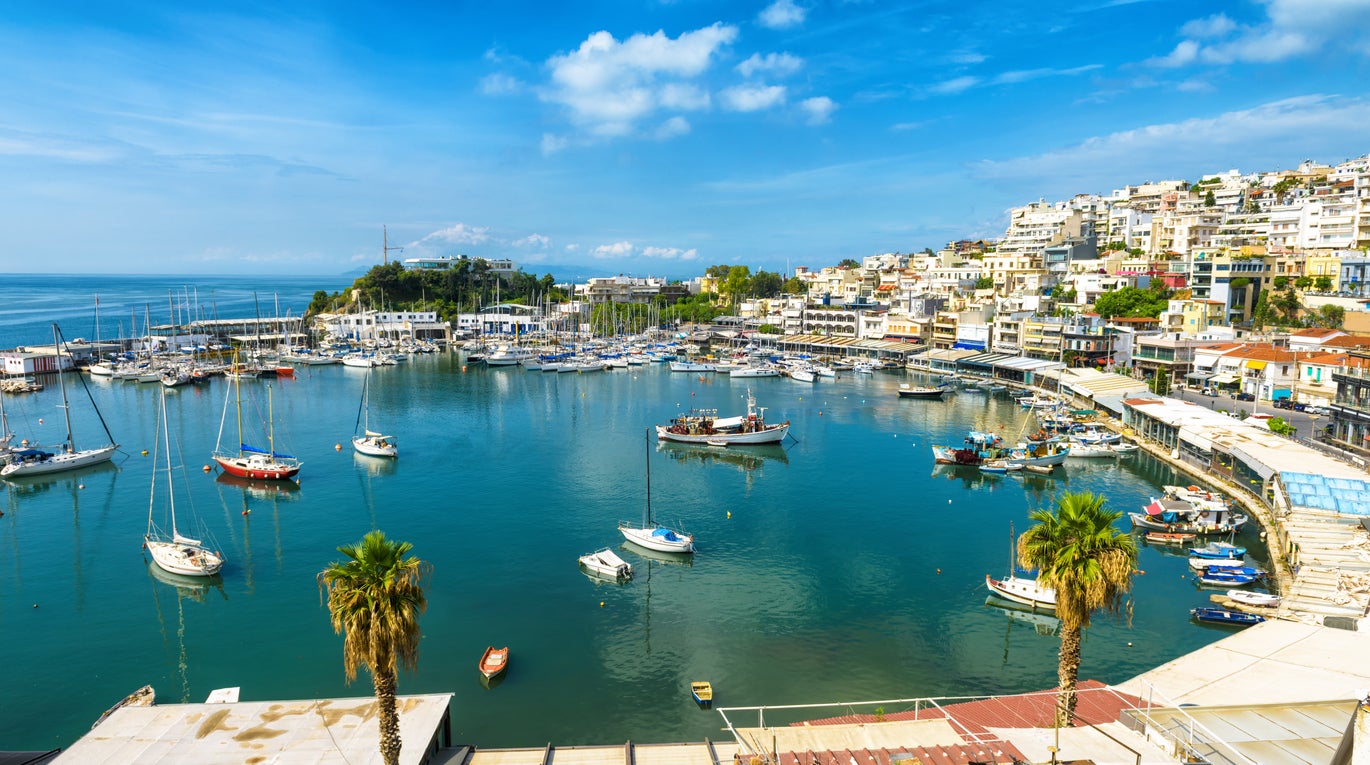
908	391
175	553
1084	450
757	371
36	461
1261	599
359	361
649	534
691	366
509	355
606	564
368	441
802	374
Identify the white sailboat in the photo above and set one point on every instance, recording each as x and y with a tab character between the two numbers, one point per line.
1021	590
175	553
649	534
6	435
35	461
369	442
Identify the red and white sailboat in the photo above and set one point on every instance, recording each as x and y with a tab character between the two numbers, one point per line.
249	461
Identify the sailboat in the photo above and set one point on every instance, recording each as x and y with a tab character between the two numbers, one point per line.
250	461
1021	590
6	435
370	442
35	461
649	534
175	553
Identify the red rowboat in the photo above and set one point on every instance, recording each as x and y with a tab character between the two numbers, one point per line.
494	661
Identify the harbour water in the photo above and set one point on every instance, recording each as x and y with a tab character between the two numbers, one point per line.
843	566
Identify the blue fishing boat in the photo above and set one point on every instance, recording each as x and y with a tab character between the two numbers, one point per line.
1223	616
1218	550
1221	578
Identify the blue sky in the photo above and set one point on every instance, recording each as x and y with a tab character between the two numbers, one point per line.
649	138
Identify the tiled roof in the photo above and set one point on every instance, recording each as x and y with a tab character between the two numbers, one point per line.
1346	341
1314	332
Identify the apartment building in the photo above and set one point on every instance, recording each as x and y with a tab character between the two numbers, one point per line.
1039	225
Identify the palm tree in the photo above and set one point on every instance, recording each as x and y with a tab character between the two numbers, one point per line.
1078	552
375	599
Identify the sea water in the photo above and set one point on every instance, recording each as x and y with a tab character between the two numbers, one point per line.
841	566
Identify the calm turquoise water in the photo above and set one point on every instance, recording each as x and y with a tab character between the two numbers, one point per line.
851	568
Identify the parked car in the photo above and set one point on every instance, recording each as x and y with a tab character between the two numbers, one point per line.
1244	396
1284	403
1210	391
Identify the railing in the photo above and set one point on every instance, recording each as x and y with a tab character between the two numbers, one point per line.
1189	739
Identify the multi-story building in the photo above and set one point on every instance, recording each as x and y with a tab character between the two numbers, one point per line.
1192	316
621	289
1039	225
1350	427
1013	272
1164	354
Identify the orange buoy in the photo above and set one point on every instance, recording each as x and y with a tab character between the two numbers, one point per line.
337	447
207	468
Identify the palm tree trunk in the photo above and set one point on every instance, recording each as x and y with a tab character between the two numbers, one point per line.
386	684
1067	672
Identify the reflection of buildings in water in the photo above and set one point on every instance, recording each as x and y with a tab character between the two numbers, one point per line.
744	457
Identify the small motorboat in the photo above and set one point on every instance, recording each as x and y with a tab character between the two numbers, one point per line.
1168	538
494	661
1218	550
605	564
1224	616
1205	564
1248	598
1039	469
1122	448
703	693
1220	578
907	391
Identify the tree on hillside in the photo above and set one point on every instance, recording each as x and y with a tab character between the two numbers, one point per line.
848	263
374	599
766	284
1323	284
1328	316
1132	302
736	285
718	272
796	286
1089	563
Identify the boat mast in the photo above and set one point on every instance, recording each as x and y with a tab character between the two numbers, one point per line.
270	423
647	516
62	383
238	391
170	493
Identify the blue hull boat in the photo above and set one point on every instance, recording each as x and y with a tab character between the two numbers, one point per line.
1224	579
1223	616
1218	550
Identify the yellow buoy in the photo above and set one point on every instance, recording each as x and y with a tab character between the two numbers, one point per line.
601	604
145	452
730	513
207	468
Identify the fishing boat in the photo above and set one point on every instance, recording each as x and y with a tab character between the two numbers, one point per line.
1248	598
1224	616
1218	550
494	661
36	461
173	552
1216	577
368	441
1180	516
702	691
1039	453
1021	589
250	461
979	446
605	564
907	391
649	534
701	426
1166	538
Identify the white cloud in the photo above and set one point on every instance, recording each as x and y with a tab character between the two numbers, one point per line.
458	234
672	127
819	109
781	14
1317	124
966	57
615	250
609	86
751	98
670	253
1023	75
573	248
779	64
533	240
955	85
1213	26
551	144
499	84
1291	28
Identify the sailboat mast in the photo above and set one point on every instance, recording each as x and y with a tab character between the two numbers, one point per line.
238	391
270	423
62	383
170	494
647	441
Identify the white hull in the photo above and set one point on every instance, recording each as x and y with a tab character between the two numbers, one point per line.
184	559
60	462
359	362
754	372
773	434
659	539
605	563
1024	591
1089	451
376	446
691	366
1263	599
801	375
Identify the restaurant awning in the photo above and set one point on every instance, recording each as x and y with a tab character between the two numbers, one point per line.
1198	376
1224	380
1256	365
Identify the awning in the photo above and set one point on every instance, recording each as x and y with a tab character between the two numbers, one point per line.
1256	365
1224	380
969	345
1198	376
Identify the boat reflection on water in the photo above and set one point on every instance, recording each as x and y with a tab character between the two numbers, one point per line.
491	683
260	489
670	559
191	587
745	457
22	485
1045	624
375	466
